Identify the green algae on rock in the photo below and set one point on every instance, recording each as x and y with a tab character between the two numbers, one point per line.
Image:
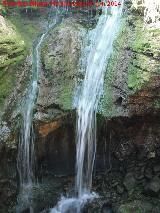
12	46
115	74
60	58
144	63
133	71
12	49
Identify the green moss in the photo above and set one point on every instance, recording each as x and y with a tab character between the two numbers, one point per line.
129	209
6	84
143	46
146	47
140	70
137	78
12	46
157	104
61	63
26	28
106	105
65	96
16	38
13	52
147	41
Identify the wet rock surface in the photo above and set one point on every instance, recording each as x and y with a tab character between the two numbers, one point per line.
130	161
55	150
60	58
132	83
15	72
127	171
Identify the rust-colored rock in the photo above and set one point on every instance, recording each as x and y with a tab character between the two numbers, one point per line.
45	129
144	101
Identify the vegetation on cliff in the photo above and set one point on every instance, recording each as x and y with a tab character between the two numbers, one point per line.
133	70
60	58
13	51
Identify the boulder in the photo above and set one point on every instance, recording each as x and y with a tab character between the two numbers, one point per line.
136	206
129	181
153	187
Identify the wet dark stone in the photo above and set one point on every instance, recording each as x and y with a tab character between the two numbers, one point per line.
148	173
119	101
139	173
129	181
156	168
26	211
107	208
120	189
153	187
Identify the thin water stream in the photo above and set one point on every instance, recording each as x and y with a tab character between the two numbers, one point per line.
26	154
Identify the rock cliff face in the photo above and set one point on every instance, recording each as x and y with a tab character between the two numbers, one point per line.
128	114
131	161
131	100
15	72
53	120
132	78
54	117
60	60
13	52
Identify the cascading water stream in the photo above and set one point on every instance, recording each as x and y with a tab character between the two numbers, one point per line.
101	48
26	155
102	45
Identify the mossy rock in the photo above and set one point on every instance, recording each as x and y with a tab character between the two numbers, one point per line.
107	105
133	67
12	46
147	41
140	71
144	64
13	51
138	206
60	58
3	10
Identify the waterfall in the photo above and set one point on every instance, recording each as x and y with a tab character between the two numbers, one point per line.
26	155
102	45
101	48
